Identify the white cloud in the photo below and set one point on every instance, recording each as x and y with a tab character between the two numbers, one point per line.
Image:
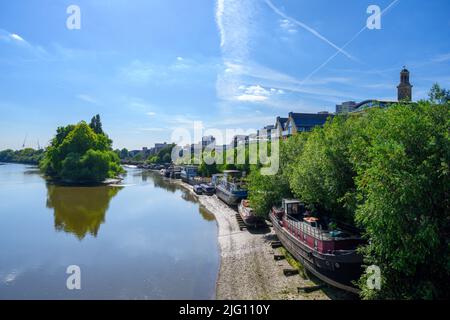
245	119
288	26
17	37
229	84
220	5
442	58
237	23
138	72
152	129
11	37
151	114
251	98
256	93
87	98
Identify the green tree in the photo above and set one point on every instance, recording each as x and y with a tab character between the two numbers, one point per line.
124	153
439	95
27	155
267	191
402	159
78	154
96	124
322	176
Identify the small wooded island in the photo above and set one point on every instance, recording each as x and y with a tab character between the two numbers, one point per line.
81	154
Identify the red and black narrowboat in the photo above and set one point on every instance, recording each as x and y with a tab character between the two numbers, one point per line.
327	250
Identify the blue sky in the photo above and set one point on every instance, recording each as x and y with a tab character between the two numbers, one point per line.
150	66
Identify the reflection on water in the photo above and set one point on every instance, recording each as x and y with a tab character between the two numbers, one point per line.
208	216
160	182
148	239
79	210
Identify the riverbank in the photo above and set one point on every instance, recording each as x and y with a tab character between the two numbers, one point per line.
248	270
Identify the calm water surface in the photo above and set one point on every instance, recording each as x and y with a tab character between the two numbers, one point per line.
145	240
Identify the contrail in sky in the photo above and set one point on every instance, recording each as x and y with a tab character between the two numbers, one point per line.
309	29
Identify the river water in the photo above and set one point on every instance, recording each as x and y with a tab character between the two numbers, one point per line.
148	239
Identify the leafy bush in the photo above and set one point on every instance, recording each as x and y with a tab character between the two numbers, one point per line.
388	172
78	154
27	155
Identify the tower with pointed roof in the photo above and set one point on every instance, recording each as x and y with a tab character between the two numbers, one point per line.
405	87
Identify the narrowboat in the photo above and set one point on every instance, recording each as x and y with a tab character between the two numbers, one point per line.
229	189
208	189
215	179
198	189
248	215
327	250
188	173
167	173
173	172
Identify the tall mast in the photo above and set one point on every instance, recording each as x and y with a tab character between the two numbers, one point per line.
24	140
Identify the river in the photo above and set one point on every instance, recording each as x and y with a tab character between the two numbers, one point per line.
147	239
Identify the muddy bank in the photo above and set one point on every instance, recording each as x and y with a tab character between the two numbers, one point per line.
248	269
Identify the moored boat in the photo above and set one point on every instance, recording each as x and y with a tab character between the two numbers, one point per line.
327	251
230	190
188	173
173	172
198	189
208	189
248	215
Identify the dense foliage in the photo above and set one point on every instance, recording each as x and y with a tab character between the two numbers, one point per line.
163	156
439	95
402	158
78	154
266	191
387	171
27	155
322	174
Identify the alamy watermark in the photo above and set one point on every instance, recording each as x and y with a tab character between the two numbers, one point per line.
73	21
73	282
374	20
374	279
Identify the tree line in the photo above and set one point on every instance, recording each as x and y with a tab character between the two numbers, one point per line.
386	171
27	156
161	157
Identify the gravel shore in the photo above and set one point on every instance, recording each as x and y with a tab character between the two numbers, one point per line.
248	270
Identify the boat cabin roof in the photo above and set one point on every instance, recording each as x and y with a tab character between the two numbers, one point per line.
189	167
290	201
231	171
311	219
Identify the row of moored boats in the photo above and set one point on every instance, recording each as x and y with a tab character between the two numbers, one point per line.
327	248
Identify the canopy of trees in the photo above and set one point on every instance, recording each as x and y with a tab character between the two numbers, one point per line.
163	156
81	154
388	172
27	155
439	95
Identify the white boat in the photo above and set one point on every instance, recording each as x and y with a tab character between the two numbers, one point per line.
248	215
